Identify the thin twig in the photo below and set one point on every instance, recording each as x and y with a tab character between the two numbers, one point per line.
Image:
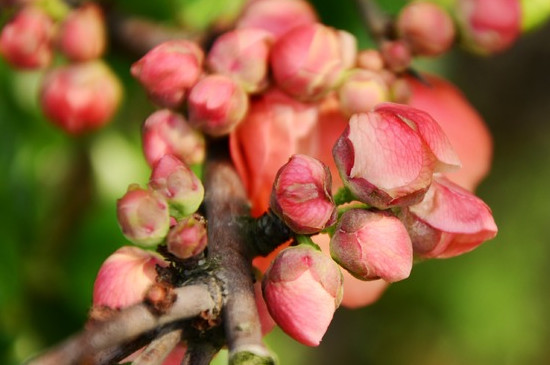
200	353
375	20
158	349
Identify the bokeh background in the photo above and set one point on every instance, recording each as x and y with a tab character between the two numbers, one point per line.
491	306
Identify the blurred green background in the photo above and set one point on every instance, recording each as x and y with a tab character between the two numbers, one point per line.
492	306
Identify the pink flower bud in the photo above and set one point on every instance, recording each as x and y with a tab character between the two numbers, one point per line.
216	105
397	55
302	289
370	59
125	276
179	185
461	123
143	216
372	245
166	132
276	127
387	157
80	97
26	41
188	237
449	221
489	26
302	196
242	54
308	61
169	70
426	27
277	16
83	35
361	91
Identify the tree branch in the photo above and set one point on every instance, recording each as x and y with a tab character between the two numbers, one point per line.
158	349
375	20
200	353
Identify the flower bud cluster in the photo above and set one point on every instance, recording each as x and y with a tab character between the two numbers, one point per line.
80	95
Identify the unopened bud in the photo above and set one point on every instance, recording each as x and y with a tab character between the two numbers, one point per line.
370	59
166	132
301	195
80	97
372	245
169	70
361	91
489	26
143	216
125	277
397	55
83	35
187	238
242	54
216	105
302	289
309	61
387	157
179	185
277	16
426	27
26	41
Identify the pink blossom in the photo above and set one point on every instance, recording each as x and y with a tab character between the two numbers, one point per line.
302	196
169	70
302	289
387	157
372	245
449	221
125	276
188	237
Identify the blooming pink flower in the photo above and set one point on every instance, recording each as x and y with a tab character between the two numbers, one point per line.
242	54
26	40
302	195
277	16
188	237
449	221
372	245
309	61
143	216
216	105
125	276
179	185
462	124
387	157
426	27
80	97
489	26
302	289
166	132
83	35
169	70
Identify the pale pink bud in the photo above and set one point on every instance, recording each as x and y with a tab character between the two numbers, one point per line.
188	237
372	245
489	26
370	59
309	61
302	196
143	216
361	91
169	70
166	132
242	54
449	221
397	55
216	105
387	157
80	97
26	41
426	27
83	35
277	16
302	289
276	127
179	185
125	276
462	124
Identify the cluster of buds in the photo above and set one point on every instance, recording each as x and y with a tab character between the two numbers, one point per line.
82	94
